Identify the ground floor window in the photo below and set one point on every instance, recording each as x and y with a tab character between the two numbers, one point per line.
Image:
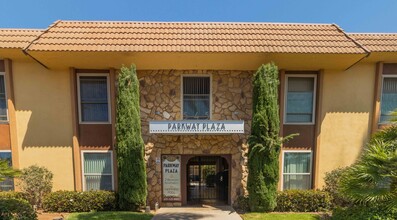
97	170
297	169
8	184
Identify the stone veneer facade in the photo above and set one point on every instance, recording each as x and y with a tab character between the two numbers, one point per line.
161	100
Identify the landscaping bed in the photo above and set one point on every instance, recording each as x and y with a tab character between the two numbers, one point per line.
281	216
110	215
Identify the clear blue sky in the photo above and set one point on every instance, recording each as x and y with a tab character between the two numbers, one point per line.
351	15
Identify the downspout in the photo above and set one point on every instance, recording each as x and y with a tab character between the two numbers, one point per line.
367	52
25	50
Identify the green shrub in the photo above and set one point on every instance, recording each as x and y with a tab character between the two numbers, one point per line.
332	181
12	195
372	179
71	201
303	201
130	146
241	204
361	212
36	182
16	209
264	141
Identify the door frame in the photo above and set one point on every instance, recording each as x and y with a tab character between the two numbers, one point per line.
185	159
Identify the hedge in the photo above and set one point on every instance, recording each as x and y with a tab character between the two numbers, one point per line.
12	195
16	209
303	201
368	212
71	201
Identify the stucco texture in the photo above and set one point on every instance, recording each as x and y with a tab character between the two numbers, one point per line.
346	112
43	113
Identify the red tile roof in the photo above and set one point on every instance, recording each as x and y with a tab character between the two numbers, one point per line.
377	42
17	38
195	37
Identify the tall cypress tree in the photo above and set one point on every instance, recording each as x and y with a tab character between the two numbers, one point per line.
264	142
132	186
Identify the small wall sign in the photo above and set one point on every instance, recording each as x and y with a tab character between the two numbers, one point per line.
171	177
196	127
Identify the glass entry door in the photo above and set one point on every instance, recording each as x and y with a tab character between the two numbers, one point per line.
207	180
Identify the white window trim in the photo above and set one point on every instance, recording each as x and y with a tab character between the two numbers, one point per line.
79	98
196	75
5	86
282	166
314	98
381	94
82	166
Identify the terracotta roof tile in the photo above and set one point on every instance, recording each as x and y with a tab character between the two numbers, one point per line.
17	38
194	37
377	42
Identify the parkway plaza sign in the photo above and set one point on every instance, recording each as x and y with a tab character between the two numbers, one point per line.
196	127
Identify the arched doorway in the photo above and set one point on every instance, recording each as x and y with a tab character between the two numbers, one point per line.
207	180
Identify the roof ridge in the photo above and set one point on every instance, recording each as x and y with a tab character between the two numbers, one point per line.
196	22
372	33
21	29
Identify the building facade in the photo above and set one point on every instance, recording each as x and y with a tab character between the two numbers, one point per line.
58	101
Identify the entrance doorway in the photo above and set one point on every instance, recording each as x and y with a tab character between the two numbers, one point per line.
207	180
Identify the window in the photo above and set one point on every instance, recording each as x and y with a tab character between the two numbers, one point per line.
93	98
8	184
3	98
389	98
300	99
97	170
196	97
297	170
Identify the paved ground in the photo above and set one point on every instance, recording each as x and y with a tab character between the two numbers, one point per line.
50	216
196	212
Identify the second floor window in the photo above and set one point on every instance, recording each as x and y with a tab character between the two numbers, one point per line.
3	98
388	99
196	97
300	98
93	98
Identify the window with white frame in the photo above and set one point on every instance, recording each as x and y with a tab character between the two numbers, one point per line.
388	98
3	98
7	184
297	169
93	91
300	99
97	170
196	97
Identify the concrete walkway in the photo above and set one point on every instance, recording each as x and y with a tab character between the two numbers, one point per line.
197	212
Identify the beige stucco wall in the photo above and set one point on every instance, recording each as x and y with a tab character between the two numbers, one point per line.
44	125
43	114
345	116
